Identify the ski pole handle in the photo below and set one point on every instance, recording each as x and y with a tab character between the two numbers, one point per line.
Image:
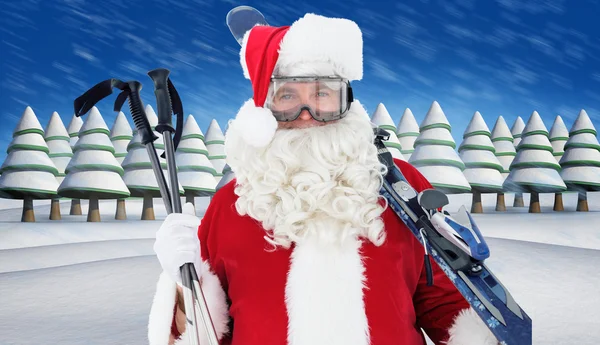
136	107
140	119
160	77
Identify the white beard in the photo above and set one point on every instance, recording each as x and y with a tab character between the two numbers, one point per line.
321	181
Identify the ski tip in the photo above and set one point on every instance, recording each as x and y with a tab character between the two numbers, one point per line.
240	19
236	9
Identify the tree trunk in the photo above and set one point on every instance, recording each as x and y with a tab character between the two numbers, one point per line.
582	203
75	208
190	198
534	203
518	200
500	204
148	208
55	210
476	206
28	215
558	202
93	209
121	212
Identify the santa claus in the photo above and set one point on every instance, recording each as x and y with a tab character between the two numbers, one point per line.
300	248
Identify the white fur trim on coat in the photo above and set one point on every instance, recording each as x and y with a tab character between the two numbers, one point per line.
469	329
338	303
161	313
315	39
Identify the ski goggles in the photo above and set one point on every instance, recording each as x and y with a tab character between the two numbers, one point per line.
325	98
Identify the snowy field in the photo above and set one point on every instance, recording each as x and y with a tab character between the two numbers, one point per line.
72	282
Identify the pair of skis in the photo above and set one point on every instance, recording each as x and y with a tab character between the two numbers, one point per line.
457	246
454	243
168	103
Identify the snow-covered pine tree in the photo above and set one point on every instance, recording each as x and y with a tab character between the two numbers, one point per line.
483	170
196	173
73	129
559	134
93	173
139	176
581	160
435	156
505	152
534	169
215	144
228	175
382	119
57	138
120	136
28	173
407	133
516	131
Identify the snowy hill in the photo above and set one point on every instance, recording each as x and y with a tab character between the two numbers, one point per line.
99	278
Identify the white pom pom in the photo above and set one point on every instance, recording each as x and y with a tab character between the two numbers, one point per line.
258	124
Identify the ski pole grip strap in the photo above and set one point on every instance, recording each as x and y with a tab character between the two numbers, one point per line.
177	106
163	99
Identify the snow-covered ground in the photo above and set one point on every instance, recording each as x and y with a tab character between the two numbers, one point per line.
73	282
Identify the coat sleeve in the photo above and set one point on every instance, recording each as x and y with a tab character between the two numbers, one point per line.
441	310
161	321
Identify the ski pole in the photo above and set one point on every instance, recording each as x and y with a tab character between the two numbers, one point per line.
130	91
168	102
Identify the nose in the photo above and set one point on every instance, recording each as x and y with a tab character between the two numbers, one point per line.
305	115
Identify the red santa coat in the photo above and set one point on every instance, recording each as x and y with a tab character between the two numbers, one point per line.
359	294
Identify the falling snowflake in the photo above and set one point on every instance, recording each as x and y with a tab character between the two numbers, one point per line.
493	322
447	270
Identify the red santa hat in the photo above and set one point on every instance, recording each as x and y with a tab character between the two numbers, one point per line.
312	46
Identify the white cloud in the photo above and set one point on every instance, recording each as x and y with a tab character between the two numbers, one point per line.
203	45
462	74
533	6
567	112
59	66
84	53
463	92
462	32
453	10
575	51
382	70
542	45
40	79
501	37
516	72
561	81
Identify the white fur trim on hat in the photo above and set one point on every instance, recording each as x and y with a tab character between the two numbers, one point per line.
258	124
469	329
318	40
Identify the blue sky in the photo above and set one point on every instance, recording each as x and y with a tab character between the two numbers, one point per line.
499	57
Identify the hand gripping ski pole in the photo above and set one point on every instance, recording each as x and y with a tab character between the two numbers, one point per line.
165	92
168	102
